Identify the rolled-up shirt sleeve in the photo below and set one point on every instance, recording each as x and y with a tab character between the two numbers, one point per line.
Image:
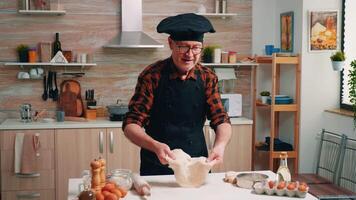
215	113
141	102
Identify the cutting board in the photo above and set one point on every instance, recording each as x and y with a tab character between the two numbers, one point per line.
70	100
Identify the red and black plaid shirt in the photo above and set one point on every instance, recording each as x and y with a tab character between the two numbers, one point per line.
142	101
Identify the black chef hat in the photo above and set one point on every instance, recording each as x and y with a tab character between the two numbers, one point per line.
186	27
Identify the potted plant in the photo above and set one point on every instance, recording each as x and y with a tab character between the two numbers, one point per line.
352	92
208	53
22	51
338	60
264	96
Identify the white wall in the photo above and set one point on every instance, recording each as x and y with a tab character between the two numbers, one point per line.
320	87
263	23
320	91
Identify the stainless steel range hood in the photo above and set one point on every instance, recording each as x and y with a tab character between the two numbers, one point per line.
132	35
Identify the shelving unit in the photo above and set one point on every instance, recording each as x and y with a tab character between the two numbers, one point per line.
276	109
42	12
229	65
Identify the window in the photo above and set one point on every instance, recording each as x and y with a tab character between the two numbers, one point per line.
348	45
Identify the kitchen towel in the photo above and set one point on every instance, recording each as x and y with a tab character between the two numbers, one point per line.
18	152
225	73
28	159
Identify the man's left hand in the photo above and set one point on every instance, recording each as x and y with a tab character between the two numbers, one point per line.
217	153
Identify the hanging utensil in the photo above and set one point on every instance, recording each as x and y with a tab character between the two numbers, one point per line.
55	91
49	85
45	94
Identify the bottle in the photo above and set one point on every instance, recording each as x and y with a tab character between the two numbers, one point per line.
232	57
217	6
56	45
283	173
223	6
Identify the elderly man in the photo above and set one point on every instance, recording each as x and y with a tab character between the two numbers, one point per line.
173	98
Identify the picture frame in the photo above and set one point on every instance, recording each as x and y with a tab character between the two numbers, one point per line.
323	34
40	4
287	31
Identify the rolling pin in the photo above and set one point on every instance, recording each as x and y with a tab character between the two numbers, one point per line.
140	185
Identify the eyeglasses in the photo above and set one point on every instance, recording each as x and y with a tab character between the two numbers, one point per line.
184	49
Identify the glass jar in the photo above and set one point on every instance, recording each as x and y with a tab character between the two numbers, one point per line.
32	55
232	57
122	178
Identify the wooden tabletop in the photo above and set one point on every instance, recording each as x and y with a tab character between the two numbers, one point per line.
310	179
331	191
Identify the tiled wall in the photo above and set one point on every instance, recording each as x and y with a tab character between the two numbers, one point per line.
90	24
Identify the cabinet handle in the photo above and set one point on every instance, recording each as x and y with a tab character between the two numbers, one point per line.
111	137
30	195
35	175
101	140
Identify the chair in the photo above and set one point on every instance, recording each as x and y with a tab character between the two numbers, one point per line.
329	153
347	172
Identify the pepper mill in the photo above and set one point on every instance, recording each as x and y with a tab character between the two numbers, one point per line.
95	171
102	172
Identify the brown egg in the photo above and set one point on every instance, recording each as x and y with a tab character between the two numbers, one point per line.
291	186
99	196
122	190
108	187
302	188
281	185
270	184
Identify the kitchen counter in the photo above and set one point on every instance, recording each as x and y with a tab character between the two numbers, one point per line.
16	124
165	187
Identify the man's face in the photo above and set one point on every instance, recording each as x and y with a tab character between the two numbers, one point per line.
185	54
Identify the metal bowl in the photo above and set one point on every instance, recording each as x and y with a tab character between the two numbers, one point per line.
247	180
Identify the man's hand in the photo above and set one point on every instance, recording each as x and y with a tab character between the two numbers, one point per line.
162	151
217	154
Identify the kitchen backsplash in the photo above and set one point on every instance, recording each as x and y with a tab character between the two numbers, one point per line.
86	27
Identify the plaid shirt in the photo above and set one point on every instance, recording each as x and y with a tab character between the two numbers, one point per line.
142	100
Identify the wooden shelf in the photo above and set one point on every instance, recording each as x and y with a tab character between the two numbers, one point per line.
222	15
228	65
21	64
217	14
278	59
42	12
279	107
275	154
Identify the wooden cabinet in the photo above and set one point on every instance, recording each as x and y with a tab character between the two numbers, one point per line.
238	153
121	153
76	148
39	185
33	194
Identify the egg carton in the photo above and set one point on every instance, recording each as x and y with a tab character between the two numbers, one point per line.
290	189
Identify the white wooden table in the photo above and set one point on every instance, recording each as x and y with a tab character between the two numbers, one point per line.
165	187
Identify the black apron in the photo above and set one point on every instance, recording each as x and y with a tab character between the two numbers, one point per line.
177	119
